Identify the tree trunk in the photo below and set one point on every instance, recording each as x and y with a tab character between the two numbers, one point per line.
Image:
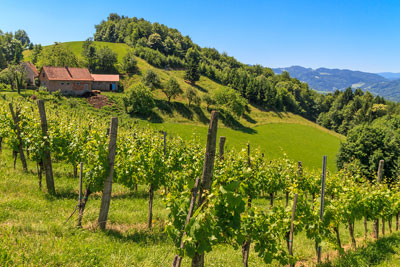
271	199
383	226
246	252
75	170
339	243
376	228
1	143
198	260
40	172
151	196
82	207
351	231
397	222
15	158
390	224
365	228
287	199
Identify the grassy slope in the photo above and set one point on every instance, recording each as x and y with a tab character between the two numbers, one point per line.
34	233
273	133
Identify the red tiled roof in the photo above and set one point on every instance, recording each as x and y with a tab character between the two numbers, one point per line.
32	67
67	74
105	77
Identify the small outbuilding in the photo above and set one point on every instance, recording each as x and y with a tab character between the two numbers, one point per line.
31	73
105	82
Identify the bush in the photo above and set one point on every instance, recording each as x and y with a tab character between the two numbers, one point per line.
192	96
139	100
129	62
151	79
231	99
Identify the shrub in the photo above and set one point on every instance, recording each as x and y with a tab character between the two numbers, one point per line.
231	99
151	79
192	96
129	62
139	100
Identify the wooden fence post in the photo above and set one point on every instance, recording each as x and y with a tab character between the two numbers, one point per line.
321	210
222	140
208	168
80	183
290	240
48	168
15	117
379	180
106	197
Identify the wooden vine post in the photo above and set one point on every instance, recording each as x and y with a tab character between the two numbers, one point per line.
206	178
106	197
80	184
222	140
321	210
290	239
379	180
48	168
246	244
15	117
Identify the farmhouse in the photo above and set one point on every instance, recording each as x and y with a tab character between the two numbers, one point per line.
70	81
105	82
31	73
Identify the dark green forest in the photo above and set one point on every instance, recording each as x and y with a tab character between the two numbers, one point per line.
165	47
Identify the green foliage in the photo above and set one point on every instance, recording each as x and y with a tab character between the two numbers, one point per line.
368	144
151	79
192	96
89	54
139	100
129	62
57	55
231	99
23	37
106	59
192	59
172	89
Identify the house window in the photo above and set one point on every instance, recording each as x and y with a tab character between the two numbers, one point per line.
43	75
77	83
62	83
67	83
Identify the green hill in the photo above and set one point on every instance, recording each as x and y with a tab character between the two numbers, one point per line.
273	133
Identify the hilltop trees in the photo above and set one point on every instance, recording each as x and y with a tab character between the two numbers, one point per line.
192	59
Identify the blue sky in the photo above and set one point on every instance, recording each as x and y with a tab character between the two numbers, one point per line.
358	35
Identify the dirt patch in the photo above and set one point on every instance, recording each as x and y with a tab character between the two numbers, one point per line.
99	101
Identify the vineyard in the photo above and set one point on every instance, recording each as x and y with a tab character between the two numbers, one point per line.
211	199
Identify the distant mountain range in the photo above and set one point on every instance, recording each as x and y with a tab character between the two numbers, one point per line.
386	84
